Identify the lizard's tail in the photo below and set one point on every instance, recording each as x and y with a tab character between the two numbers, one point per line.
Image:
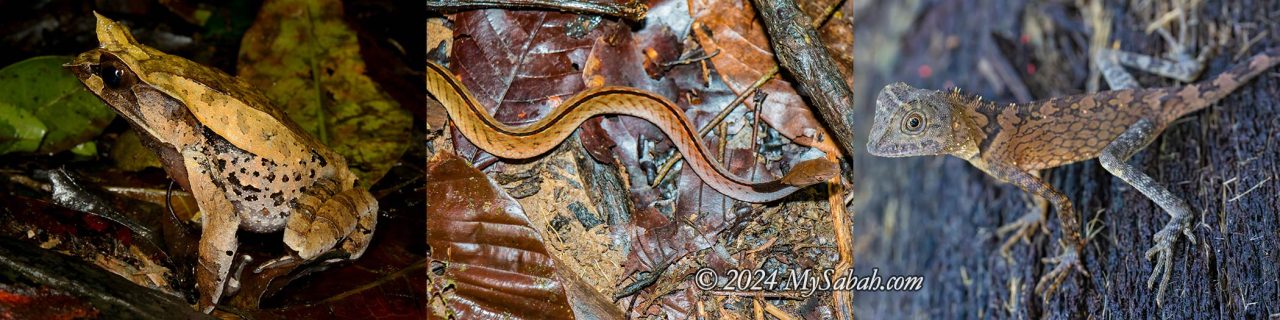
1205	93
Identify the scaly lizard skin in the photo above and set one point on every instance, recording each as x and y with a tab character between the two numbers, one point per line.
1008	141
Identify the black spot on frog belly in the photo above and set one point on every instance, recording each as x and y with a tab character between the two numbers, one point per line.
277	198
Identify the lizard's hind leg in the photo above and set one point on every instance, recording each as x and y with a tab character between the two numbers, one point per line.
1185	69
1114	158
1179	65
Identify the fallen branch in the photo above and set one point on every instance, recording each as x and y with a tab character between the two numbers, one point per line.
800	51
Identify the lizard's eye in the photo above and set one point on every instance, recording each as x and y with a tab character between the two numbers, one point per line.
913	122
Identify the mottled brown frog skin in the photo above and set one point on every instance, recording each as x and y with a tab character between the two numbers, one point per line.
1008	141
247	164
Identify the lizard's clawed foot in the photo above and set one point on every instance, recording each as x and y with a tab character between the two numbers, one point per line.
1162	253
1066	262
1023	229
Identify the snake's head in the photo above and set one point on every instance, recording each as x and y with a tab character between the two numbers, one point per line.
913	122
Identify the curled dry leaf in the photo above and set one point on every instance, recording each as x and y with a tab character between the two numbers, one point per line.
487	259
308	62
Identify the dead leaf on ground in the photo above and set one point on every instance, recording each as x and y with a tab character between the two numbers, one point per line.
732	27
487	258
308	62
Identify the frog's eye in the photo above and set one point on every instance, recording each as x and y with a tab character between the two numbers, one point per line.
913	123
110	75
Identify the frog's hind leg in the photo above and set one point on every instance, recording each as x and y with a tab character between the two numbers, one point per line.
317	227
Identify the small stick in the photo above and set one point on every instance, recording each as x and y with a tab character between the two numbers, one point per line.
776	312
755	129
683	60
788	295
1237	197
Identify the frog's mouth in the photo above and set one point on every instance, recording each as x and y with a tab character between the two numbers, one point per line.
82	66
90	66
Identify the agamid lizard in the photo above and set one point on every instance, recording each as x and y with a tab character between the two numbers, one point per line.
1008	141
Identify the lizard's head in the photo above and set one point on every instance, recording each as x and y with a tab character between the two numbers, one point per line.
911	122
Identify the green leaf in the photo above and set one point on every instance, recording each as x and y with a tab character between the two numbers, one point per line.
309	63
42	88
20	131
88	149
130	155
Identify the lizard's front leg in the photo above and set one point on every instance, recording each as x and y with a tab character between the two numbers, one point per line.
218	236
1023	228
1073	244
1114	159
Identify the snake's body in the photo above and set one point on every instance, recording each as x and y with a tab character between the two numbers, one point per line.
537	138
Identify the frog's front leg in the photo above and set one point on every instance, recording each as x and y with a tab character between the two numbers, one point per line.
218	236
317	227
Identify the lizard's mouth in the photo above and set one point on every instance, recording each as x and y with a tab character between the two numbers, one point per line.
878	143
882	146
887	151
878	146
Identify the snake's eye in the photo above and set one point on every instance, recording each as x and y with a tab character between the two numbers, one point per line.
110	75
913	122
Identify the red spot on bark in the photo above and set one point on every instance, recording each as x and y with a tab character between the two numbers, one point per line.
1031	68
925	71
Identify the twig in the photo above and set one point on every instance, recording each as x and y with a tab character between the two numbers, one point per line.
675	158
742	96
776	312
788	295
755	130
634	10
1242	194
688	60
842	225
642	282
1249	44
